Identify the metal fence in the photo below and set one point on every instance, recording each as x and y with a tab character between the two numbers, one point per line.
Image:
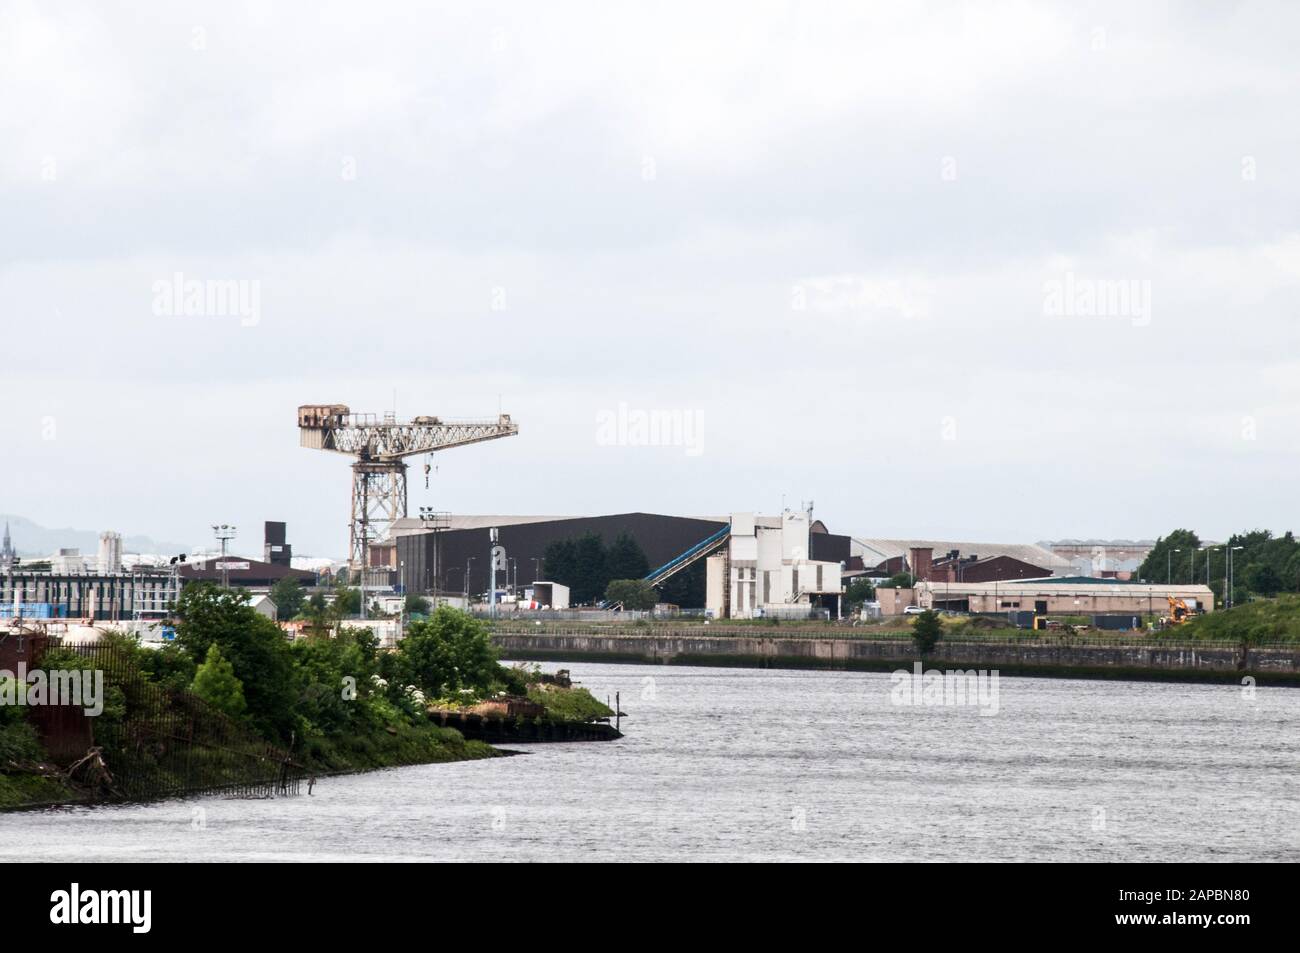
151	742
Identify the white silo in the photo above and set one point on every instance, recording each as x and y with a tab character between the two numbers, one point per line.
110	551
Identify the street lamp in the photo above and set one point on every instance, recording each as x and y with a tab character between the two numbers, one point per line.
494	553
434	521
1228	578
467	562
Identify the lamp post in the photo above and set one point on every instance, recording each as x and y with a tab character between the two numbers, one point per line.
492	573
434	521
1228	582
1209	553
467	562
1169	566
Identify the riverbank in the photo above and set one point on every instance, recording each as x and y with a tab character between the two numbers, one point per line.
285	714
399	747
775	765
1056	657
21	791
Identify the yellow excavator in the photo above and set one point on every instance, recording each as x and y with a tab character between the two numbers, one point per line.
1179	611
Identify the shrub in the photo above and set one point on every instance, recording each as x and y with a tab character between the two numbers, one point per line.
927	629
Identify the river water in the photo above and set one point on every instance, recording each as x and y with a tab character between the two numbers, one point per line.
744	764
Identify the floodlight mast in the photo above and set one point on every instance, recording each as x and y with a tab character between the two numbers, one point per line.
224	533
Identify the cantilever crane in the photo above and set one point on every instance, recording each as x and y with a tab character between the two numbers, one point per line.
379	473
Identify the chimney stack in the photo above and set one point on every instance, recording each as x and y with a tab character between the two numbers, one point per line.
275	550
921	557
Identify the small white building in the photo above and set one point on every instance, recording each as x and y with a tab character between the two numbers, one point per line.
388	631
263	604
765	570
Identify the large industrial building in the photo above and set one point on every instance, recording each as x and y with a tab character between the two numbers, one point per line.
451	555
1069	595
967	561
1108	558
114	596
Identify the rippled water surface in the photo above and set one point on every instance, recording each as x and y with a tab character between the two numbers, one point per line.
735	764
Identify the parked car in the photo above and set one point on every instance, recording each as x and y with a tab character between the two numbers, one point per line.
913	610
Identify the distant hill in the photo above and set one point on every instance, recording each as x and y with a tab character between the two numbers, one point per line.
30	539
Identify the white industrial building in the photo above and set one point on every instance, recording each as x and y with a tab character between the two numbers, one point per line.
764	571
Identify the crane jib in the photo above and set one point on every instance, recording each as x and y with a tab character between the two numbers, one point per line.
379	445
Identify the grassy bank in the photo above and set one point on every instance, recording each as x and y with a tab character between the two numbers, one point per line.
22	790
26	776
568	704
1264	621
406	745
233	706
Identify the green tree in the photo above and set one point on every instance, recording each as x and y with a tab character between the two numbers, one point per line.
448	652
589	574
347	602
900	580
216	684
927	630
626	559
587	566
288	598
858	592
416	605
254	645
317	613
559	561
579	564
335	679
1261	562
1263	579
1170	558
636	594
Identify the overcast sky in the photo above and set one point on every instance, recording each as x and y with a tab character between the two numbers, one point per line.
835	238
